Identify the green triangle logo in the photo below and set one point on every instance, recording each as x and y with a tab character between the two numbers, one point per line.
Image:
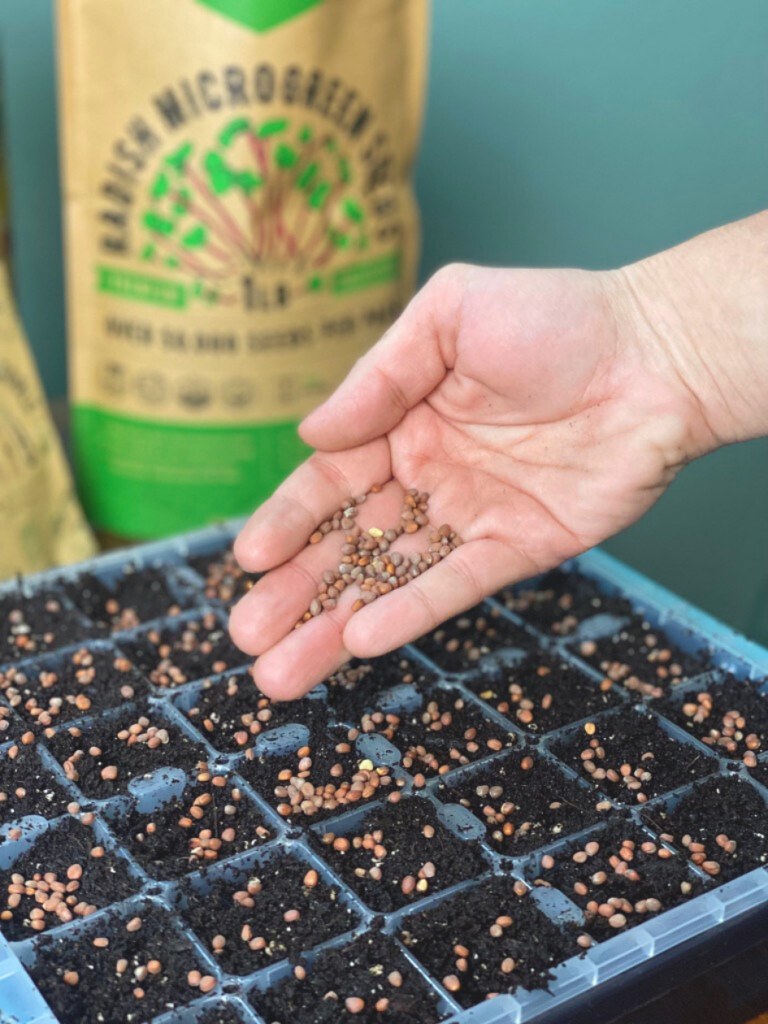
260	15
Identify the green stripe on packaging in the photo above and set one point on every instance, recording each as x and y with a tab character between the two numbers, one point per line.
127	284
143	478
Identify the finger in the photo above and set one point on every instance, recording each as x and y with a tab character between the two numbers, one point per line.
310	495
273	606
468	575
402	369
301	660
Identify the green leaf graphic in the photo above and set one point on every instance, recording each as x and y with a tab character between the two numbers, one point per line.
260	15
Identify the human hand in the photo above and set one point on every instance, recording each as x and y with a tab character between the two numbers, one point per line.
538	409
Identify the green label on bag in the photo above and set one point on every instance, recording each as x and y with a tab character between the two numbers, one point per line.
260	15
140	478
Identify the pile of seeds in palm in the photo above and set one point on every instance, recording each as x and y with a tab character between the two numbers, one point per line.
366	559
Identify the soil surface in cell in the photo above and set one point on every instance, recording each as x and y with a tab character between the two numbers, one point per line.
83	983
67	875
325	777
138	596
524	800
224	580
276	909
212	820
461	642
36	624
731	717
721	825
620	876
560	601
630	757
489	940
78	684
348	984
219	1015
232	713
357	687
103	757
444	732
28	787
642	658
398	854
180	654
544	692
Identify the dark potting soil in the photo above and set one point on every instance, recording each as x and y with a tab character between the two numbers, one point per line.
358	971
335	763
212	912
185	652
544	692
444	732
560	601
358	686
462	641
139	596
28	787
702	713
537	805
719	806
642	658
532	941
224	580
220	1014
104	879
634	746
130	759
408	850
163	841
36	624
60	689
667	879
760	773
102	996
231	713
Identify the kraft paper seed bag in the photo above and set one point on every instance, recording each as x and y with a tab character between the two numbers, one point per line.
42	522
240	228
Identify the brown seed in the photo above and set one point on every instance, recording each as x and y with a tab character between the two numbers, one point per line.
154	967
395	979
207	983
194	978
382	1005
711	867
70	977
584	941
311	879
134	924
354	1004
452	983
109	773
408	884
507	965
74	872
617	921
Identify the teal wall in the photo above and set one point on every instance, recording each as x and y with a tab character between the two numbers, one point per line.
579	132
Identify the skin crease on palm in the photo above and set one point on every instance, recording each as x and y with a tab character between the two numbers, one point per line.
542	410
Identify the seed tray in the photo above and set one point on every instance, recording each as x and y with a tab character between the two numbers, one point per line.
544	622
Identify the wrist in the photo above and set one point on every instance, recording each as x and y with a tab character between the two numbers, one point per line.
698	315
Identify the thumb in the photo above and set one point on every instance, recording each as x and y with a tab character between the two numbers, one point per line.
399	371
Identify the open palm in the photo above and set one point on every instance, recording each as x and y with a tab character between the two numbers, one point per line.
522	402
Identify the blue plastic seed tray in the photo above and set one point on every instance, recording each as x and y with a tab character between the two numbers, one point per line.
608	979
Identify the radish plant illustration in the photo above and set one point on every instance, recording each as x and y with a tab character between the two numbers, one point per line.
263	196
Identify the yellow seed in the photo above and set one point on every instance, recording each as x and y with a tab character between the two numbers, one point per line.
374	531
366	765
589	728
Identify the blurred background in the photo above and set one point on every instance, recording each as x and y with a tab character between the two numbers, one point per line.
557	133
